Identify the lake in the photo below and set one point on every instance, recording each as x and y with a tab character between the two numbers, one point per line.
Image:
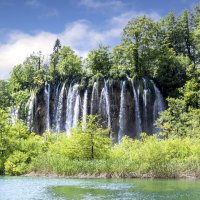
36	188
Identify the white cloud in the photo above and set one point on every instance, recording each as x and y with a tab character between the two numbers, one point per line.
21	45
79	35
114	4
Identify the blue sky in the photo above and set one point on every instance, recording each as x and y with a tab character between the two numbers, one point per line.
33	25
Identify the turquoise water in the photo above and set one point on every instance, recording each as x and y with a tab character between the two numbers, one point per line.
39	188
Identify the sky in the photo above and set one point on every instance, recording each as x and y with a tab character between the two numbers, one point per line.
28	26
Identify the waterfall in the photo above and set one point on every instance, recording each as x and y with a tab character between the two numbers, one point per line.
145	92
158	105
122	113
107	103
14	111
73	100
55	104
30	107
94	99
104	104
84	117
137	112
76	111
47	91
59	109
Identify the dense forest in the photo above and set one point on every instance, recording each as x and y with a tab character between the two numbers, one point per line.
154	58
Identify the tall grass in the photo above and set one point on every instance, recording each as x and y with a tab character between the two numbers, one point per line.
150	157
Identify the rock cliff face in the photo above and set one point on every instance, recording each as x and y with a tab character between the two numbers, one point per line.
128	107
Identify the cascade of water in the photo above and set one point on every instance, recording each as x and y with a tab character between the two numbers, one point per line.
85	101
47	105
31	102
73	100
94	98
14	111
137	112
107	103
145	91
59	109
122	113
104	103
55	103
76	111
158	105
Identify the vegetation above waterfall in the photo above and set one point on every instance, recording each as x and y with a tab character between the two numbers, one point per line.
165	51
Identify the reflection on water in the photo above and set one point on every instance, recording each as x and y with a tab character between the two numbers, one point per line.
36	188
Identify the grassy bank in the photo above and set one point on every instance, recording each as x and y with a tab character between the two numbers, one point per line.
151	157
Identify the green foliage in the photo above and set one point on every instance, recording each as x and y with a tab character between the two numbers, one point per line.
16	164
150	157
65	64
178	121
99	60
141	32
84	143
18	147
4	94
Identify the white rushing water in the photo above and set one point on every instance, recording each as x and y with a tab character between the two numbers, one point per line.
122	113
30	108
85	105
158	105
104	104
47	105
55	103
145	93
76	111
137	112
14	112
94	98
60	109
72	110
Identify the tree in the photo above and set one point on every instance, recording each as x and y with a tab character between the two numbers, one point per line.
123	61
142	32
54	56
69	64
4	94
99	61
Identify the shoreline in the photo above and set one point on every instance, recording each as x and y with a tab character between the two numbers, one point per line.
111	176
